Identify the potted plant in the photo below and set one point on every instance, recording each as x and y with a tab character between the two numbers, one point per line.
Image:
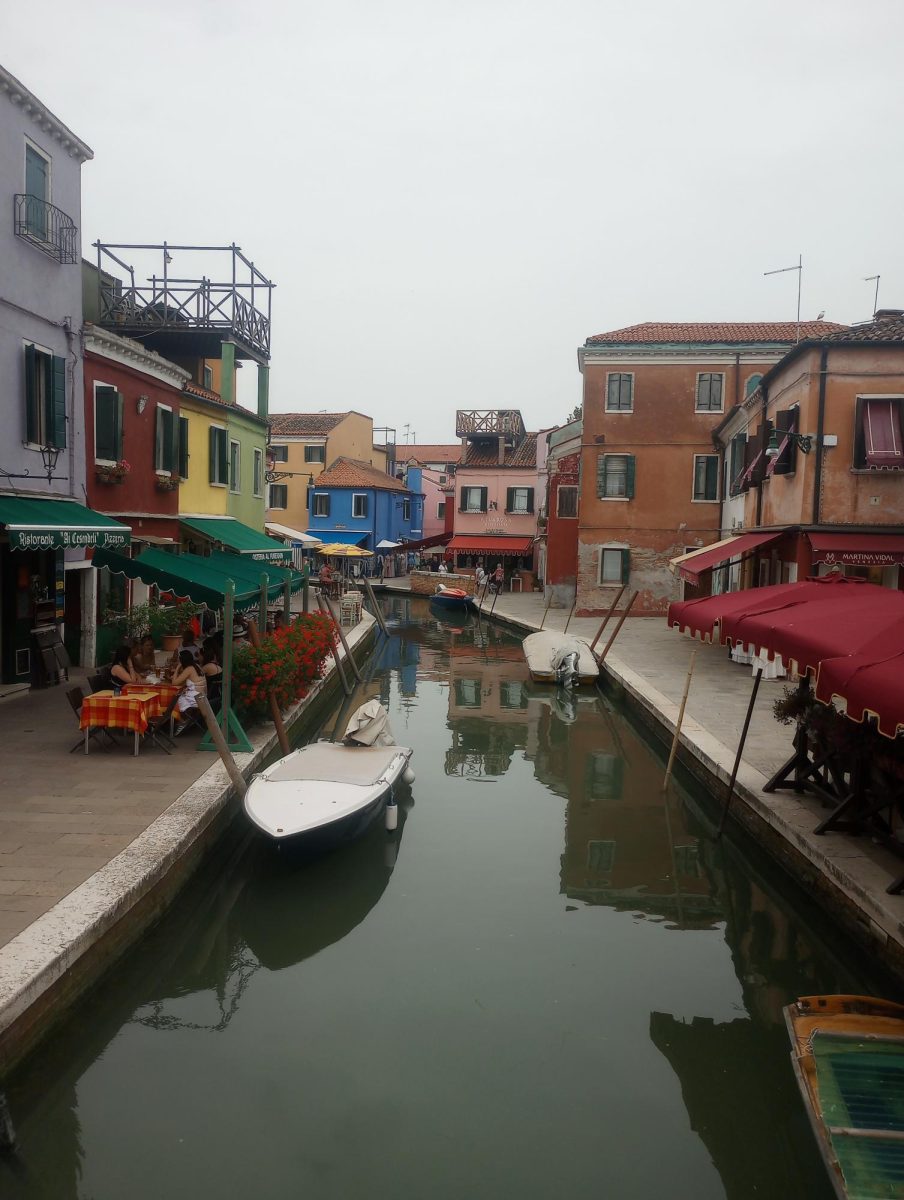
166	623
168	483
114	473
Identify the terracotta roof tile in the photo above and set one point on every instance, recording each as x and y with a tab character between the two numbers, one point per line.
304	424
885	327
480	454
352	473
716	331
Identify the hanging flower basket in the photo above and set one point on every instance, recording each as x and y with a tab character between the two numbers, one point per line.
168	483
112	474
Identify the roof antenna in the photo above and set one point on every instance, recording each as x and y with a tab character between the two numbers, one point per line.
800	271
869	279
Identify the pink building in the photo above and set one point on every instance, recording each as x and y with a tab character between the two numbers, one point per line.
497	491
438	465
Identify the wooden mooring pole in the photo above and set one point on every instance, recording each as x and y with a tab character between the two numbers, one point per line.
340	670
216	734
612	608
737	761
621	621
674	749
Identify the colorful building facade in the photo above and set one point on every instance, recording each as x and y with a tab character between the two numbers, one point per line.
355	503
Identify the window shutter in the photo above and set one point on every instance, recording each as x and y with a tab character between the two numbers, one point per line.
629	476
118	431
462	499
785	420
183	447
509	499
32	424
214	455
600	476
223	455
625	565
530	500
326	506
483	499
712	478
167	441
105	443
56	405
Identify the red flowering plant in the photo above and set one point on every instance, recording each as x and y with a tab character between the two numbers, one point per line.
286	663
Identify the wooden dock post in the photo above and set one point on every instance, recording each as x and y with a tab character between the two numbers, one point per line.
612	608
674	749
621	621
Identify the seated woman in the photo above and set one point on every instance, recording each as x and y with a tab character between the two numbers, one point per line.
189	644
143	659
192	683
212	671
122	670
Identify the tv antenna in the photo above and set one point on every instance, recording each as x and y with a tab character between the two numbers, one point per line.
800	271
869	279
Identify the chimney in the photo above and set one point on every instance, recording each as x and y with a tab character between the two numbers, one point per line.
501	451
888	314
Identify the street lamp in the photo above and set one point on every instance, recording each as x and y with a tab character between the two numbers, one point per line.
49	457
803	441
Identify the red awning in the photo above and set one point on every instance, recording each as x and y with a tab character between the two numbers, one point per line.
690	565
849	632
882	433
858	549
463	543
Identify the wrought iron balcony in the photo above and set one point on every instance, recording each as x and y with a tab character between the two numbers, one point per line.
490	423
189	312
47	228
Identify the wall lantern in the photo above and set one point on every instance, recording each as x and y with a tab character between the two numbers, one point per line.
141	404
804	442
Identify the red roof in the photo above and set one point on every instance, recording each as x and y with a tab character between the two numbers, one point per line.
426	454
465	543
716	331
480	454
352	473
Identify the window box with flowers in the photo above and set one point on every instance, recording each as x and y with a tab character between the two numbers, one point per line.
168	483
112	472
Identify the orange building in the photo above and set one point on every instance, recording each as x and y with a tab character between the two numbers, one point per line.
814	465
650	474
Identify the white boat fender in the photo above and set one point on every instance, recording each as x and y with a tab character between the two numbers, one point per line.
408	775
392	814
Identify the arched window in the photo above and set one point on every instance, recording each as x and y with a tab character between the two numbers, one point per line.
752	384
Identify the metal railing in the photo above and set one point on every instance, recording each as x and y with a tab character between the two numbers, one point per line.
47	228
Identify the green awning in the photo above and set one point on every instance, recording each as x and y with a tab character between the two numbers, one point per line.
240	539
237	567
189	575
35	524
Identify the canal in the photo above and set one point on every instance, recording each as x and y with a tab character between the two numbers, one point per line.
550	981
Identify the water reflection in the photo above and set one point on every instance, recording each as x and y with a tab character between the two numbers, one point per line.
551	911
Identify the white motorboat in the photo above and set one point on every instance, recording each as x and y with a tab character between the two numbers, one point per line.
329	792
560	658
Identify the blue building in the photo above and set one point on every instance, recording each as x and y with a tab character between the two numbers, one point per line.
359	504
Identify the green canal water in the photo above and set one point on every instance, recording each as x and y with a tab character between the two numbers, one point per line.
548	982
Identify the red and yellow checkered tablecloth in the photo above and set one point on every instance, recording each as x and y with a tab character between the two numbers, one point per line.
107	711
160	695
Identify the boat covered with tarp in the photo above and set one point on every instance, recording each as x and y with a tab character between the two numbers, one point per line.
848	1056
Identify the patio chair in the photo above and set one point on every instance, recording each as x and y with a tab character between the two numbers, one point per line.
196	721
99	682
157	727
75	696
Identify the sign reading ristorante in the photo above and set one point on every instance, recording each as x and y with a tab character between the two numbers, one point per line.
66	539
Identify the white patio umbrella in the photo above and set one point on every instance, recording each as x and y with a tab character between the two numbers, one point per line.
385	545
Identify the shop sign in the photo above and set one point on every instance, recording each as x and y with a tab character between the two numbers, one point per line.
862	558
272	556
66	539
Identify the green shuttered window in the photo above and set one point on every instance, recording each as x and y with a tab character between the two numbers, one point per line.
473	500
219	450
183	447
615	565
519	500
45	398
107	424
165	447
706	477
615	476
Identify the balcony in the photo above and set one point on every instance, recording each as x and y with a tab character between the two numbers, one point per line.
215	295
46	228
503	423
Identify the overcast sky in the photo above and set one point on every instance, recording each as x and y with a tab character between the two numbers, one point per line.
452	196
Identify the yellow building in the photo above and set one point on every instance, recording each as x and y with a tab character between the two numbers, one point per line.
303	445
198	493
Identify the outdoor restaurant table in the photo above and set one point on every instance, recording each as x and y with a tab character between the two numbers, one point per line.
160	695
106	710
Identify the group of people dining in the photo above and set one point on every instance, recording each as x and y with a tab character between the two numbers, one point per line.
194	668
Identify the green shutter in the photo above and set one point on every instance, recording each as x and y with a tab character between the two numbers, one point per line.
483	499
212	464
32	423
183	447
712	478
56	404
625	565
223	455
509	499
600	476
461	500
629	476
106	445
117	408
167	440
530	500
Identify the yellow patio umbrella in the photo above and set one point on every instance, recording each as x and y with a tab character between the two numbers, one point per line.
341	550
